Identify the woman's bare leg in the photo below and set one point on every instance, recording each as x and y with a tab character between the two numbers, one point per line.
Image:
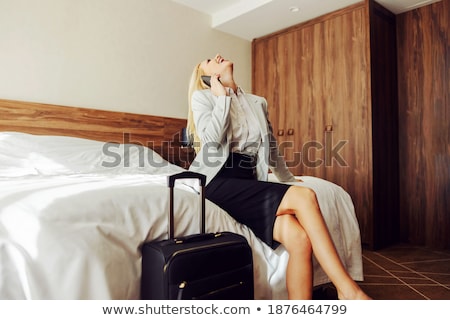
302	202
299	274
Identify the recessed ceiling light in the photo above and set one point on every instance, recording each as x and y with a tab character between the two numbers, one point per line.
294	9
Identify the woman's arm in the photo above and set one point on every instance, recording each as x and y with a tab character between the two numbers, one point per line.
211	116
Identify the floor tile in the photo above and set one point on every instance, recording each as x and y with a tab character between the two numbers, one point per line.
443	279
373	269
404	272
432	266
434	292
391	292
374	279
383	262
405	254
417	281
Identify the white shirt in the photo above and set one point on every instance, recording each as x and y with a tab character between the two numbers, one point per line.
246	133
209	113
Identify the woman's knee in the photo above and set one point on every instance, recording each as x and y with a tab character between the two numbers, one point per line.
297	196
291	234
305	193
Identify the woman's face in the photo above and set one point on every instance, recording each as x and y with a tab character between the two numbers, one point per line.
217	65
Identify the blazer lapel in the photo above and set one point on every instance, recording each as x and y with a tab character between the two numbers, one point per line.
259	113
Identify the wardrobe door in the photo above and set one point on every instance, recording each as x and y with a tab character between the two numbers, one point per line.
274	78
316	78
266	78
286	133
347	125
311	111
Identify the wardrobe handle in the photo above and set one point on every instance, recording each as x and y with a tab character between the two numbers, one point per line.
280	132
290	132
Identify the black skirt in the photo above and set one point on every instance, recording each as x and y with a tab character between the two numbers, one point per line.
248	200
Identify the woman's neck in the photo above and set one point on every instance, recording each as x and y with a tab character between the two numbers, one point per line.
229	82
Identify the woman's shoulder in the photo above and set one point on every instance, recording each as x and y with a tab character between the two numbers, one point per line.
202	94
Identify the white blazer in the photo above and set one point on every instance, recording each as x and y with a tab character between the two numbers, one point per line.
212	121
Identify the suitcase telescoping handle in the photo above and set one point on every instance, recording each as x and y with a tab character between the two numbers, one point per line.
171	184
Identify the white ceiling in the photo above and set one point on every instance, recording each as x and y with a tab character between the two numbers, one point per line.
250	19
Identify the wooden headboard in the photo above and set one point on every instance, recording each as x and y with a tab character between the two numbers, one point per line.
159	133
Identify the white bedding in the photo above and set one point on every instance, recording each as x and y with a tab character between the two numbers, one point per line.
71	227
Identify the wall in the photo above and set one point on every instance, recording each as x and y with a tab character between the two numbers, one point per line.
424	134
134	56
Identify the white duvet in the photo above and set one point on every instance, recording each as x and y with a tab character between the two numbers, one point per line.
74	213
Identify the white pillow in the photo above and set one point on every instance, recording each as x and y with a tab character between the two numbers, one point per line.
25	154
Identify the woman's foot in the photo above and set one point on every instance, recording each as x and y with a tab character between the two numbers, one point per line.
354	293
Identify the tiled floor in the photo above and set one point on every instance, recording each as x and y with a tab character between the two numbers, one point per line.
401	272
407	273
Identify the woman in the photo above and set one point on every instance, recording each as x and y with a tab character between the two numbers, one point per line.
235	149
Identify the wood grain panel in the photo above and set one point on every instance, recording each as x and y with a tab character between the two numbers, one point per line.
317	75
159	133
424	135
86	123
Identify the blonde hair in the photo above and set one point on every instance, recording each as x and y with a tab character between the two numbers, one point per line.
196	83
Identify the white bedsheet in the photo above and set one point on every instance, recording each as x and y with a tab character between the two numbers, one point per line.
71	228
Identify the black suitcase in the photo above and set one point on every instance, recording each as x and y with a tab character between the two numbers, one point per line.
216	266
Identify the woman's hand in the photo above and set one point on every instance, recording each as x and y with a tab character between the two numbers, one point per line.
217	87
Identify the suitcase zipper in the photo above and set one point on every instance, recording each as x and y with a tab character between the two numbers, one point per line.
219	290
183	285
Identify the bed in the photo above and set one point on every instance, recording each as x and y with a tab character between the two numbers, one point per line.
75	208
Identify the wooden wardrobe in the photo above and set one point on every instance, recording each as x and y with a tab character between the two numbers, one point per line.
331	87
